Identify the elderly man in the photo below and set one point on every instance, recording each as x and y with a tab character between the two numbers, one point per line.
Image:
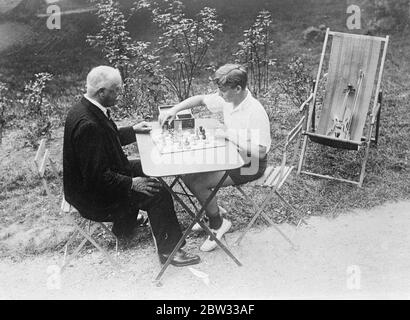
99	180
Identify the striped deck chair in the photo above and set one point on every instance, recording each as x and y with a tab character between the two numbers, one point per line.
353	84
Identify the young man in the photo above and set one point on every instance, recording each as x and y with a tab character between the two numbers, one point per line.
101	183
246	125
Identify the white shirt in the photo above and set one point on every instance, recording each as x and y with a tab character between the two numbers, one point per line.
97	104
248	120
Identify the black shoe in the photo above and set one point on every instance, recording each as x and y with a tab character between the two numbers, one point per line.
181	258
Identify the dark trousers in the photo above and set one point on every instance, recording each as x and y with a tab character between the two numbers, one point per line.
161	214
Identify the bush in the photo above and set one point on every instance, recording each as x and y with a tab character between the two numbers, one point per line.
296	82
254	53
38	109
139	69
184	43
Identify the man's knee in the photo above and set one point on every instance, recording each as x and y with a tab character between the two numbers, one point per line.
188	180
194	182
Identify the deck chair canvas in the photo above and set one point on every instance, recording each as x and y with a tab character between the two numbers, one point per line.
41	160
353	84
272	180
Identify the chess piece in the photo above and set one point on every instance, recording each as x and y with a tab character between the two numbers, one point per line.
203	134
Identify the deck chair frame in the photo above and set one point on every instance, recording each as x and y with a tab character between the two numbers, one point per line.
272	180
372	117
41	160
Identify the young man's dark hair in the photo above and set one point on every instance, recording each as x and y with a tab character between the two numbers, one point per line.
231	75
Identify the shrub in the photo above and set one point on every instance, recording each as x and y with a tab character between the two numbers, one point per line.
297	81
113	39
139	69
38	109
184	43
254	53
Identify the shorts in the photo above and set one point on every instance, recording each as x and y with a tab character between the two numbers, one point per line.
249	172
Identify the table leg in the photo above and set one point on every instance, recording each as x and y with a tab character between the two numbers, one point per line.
197	219
186	193
201	213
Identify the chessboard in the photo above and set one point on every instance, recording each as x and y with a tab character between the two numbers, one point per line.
172	141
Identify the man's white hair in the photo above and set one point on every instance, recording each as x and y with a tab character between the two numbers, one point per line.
102	77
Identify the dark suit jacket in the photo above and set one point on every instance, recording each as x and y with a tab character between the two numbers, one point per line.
97	174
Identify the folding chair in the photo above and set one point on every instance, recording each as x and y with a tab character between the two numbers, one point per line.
355	63
272	180
85	232
41	160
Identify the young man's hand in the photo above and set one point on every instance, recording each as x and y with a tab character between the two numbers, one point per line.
142	127
148	186
169	116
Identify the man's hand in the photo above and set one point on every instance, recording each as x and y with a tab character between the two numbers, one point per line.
142	127
148	186
169	116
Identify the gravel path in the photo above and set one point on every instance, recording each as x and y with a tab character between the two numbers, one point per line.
362	254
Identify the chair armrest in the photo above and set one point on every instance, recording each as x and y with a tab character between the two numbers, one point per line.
375	112
304	104
294	132
376	109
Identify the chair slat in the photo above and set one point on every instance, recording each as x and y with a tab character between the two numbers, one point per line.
272	177
40	152
262	179
43	163
65	206
285	177
281	174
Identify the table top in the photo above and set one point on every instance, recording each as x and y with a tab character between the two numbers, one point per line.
155	164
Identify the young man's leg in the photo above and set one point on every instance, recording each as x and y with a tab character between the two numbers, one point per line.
201	186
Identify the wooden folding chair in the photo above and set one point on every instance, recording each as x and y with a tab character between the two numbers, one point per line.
86	229
354	75
272	180
41	160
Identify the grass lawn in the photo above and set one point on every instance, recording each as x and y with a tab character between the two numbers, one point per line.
30	225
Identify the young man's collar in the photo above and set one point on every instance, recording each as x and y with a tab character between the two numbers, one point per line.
243	103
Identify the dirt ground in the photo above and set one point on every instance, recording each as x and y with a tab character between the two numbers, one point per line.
358	255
